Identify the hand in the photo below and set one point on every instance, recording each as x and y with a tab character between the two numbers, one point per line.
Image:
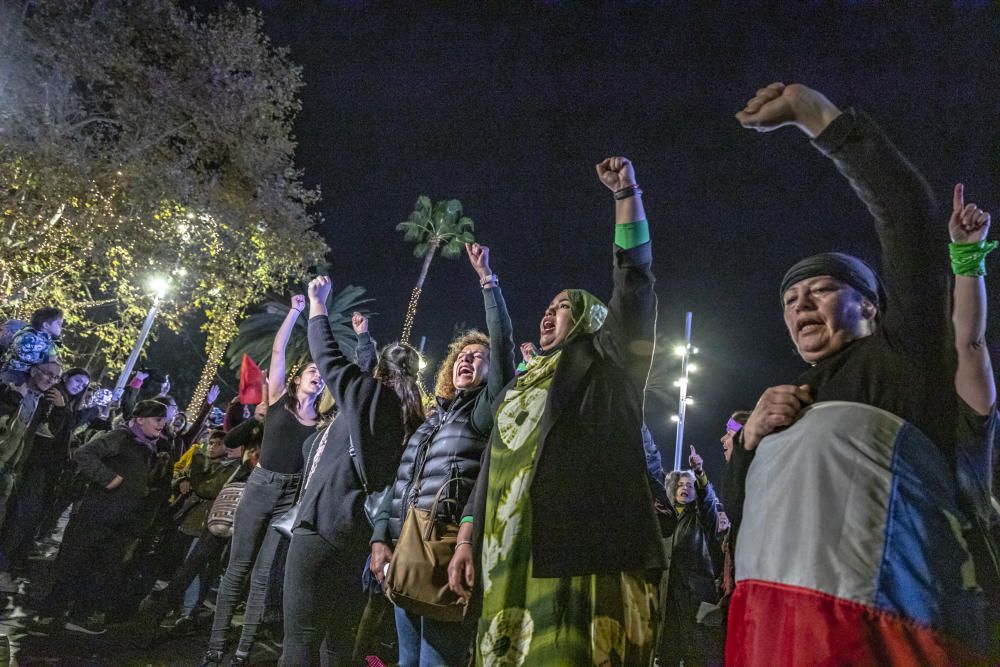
778	105
319	290
723	523
115	483
462	572
968	223
56	397
616	173
299	302
696	461
777	408
381	555
360	323
212	395
528	350
184	487
479	257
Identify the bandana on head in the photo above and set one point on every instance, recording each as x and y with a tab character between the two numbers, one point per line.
588	313
845	268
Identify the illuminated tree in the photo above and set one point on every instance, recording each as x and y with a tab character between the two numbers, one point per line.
137	137
440	226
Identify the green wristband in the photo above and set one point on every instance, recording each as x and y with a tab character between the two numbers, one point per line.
969	259
631	234
465	519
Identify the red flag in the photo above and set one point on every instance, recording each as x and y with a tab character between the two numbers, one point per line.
251	382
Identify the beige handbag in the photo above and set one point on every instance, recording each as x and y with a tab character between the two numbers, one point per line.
417	580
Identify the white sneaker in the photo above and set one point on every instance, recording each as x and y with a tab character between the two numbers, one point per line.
7	583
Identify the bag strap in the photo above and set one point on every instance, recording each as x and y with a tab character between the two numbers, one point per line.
358	466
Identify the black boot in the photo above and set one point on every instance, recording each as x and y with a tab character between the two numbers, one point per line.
211	658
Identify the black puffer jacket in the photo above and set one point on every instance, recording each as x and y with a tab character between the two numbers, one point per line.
446	449
453	438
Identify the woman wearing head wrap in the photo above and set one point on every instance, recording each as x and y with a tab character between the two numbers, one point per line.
376	413
118	465
850	468
563	520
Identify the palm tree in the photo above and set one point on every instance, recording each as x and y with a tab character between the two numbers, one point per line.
257	331
438	227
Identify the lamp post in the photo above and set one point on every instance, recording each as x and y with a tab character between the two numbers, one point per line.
684	352
158	286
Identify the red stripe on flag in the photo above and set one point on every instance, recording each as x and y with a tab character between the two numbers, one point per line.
771	625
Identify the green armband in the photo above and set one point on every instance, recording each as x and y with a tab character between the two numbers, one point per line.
969	259
465	519
631	234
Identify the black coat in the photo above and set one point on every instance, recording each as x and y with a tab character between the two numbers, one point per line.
592	511
370	416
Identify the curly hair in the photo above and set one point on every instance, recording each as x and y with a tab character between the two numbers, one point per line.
445	386
673	479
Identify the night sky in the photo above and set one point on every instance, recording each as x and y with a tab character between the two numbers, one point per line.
508	107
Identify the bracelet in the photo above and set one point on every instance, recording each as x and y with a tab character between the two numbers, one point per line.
491	280
461	542
969	259
628	191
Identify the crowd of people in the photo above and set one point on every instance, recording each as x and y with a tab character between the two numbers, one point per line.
520	514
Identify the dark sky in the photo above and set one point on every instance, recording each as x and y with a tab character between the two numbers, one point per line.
508	107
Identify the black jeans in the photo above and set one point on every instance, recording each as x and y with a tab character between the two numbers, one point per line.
323	599
266	498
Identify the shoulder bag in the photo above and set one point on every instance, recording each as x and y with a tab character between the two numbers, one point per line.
417	580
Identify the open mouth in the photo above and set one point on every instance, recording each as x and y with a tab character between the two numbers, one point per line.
808	326
548	326
466	371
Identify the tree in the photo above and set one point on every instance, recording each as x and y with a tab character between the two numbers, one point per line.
257	332
137	137
438	227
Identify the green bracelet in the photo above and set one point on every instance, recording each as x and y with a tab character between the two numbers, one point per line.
969	259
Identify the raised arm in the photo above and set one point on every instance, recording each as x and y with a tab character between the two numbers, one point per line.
900	201
968	227
631	319
501	333
276	369
366	353
344	379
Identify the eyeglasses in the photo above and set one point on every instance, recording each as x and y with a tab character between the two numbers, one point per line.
47	374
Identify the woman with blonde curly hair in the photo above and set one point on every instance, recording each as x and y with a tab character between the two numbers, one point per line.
446	450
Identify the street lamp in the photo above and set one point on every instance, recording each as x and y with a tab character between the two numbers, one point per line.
158	286
684	352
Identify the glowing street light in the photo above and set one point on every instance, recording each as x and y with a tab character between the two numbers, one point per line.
158	286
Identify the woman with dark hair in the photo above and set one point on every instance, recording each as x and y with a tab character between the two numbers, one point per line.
37	485
562	516
292	415
446	451
119	466
377	413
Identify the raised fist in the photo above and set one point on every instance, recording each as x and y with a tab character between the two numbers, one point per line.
616	173
359	323
319	289
298	302
479	257
779	105
968	223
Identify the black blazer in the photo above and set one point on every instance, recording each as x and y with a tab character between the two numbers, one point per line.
592	511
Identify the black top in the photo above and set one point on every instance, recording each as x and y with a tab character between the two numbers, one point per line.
370	417
281	448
